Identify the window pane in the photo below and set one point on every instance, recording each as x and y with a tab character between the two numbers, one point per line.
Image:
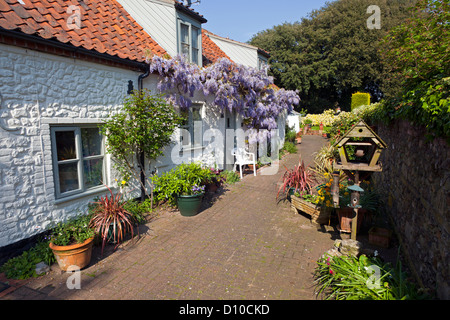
195	56
197	135
195	34
68	177
185	34
65	145
93	173
91	142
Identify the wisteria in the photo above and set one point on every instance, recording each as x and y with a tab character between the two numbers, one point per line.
248	91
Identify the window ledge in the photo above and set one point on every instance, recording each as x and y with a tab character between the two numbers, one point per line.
85	194
188	149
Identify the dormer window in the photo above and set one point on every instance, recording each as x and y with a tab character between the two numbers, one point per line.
189	33
189	43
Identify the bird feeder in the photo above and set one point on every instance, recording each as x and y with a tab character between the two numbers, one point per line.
359	152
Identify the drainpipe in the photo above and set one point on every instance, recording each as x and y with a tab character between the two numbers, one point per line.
141	156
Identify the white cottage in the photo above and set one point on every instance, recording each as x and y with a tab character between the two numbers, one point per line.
65	67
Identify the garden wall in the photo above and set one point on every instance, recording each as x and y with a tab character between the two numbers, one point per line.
415	184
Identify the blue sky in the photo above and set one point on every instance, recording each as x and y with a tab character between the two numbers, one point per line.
241	19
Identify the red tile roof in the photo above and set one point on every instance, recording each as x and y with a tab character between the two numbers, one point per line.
105	27
211	51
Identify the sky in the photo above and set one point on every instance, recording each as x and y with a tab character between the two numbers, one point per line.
241	19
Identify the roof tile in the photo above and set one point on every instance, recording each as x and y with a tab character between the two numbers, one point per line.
105	27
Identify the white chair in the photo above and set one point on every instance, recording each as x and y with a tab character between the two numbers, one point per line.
243	158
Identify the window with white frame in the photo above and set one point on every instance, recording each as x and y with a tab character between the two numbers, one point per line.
189	43
78	159
192	128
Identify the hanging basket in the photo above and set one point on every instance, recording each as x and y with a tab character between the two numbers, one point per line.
319	215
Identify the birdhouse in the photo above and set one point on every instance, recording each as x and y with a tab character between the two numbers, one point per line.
360	149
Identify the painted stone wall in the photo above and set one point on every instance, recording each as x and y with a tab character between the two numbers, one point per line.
416	187
38	90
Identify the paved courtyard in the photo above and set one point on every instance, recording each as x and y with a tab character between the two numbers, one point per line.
244	246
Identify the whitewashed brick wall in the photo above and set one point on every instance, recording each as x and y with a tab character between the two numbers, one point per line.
36	91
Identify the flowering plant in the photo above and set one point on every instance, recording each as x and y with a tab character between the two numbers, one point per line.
76	230
197	189
247	91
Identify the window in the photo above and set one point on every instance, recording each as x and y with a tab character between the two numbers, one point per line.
190	42
192	135
78	159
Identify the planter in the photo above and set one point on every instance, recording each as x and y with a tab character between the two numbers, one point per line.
189	205
319	215
73	255
212	187
380	237
346	215
298	140
252	168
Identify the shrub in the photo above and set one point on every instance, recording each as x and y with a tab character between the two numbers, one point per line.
23	266
289	147
230	177
360	99
351	278
181	180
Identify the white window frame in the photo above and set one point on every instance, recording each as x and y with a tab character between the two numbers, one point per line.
82	189
191	27
191	127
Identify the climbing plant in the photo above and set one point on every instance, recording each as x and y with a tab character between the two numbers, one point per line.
248	91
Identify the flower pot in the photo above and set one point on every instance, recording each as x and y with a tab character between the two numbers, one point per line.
78	255
212	187
346	215
380	237
319	215
298	140
189	205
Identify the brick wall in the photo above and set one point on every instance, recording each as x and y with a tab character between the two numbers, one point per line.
415	183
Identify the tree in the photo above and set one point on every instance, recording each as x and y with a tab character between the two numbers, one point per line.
332	53
416	56
140	131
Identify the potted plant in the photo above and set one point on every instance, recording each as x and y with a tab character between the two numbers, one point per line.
71	243
189	203
298	138
111	220
299	179
184	182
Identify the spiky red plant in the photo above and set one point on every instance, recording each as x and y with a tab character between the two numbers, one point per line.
110	214
300	179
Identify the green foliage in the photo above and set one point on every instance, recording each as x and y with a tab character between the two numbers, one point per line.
351	278
230	177
23	266
180	181
416	55
75	230
360	99
139	209
290	135
331	54
289	147
145	125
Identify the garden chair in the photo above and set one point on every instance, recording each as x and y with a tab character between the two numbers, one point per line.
243	158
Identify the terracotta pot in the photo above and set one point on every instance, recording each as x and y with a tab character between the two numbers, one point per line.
299	140
380	237
78	255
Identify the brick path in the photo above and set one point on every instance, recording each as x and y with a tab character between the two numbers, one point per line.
244	246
